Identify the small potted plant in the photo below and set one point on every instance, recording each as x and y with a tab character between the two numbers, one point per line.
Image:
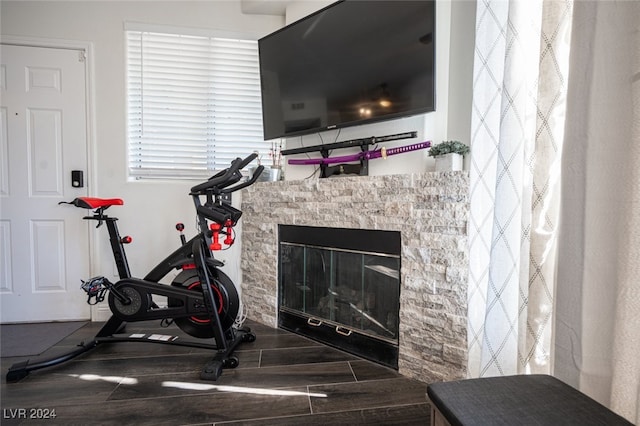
448	155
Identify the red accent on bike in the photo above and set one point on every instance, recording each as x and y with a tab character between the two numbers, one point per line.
126	240
219	301
229	240
215	234
94	203
180	226
188	266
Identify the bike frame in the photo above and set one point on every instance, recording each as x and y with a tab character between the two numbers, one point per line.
193	253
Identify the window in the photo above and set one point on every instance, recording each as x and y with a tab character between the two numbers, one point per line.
193	104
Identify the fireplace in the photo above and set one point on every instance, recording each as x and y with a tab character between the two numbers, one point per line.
429	211
341	287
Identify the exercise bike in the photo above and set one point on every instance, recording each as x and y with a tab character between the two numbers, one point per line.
201	300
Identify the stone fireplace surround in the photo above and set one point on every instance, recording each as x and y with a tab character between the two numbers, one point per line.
430	210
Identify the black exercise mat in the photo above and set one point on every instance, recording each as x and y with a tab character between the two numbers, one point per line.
33	339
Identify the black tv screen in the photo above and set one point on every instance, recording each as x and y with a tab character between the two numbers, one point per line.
353	62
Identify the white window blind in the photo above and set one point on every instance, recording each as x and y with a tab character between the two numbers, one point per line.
193	104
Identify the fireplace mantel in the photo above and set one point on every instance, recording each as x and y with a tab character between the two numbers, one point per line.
430	210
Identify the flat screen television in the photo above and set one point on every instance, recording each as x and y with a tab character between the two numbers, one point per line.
353	62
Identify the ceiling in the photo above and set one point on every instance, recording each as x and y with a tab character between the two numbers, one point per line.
265	7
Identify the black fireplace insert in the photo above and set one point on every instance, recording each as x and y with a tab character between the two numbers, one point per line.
342	287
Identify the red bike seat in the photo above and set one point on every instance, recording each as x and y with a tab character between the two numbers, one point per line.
94	203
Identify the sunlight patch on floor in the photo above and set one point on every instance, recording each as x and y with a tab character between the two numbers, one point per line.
112	379
239	389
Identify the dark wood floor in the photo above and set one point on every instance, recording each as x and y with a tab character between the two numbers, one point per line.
282	379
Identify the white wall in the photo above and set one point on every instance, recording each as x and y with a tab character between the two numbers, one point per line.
455	38
152	209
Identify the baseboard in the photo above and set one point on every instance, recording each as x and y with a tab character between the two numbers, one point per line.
100	313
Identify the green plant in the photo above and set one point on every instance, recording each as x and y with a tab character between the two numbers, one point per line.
447	147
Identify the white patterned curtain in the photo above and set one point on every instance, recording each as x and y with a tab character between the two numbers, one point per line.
597	332
519	99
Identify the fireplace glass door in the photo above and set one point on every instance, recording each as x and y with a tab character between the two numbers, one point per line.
356	291
342	287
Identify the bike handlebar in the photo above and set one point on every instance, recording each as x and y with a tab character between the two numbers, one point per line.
228	176
247	160
256	175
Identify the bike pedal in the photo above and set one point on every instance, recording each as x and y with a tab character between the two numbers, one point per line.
95	287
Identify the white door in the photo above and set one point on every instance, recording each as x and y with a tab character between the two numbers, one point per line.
44	247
